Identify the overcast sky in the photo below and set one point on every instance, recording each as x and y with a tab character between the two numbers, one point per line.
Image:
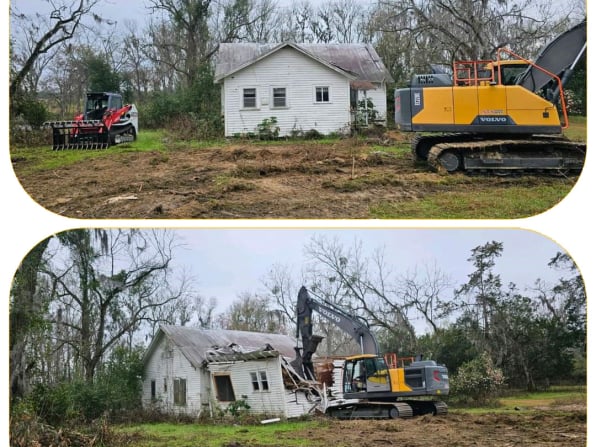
119	10
226	263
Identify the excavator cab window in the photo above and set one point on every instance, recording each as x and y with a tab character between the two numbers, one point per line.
511	73
359	374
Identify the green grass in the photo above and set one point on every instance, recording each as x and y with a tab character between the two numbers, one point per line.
42	158
577	129
534	401
513	202
298	433
207	435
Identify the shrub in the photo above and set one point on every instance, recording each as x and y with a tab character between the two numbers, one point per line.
268	129
190	126
477	381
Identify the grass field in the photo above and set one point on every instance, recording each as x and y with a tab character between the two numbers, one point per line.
350	178
562	411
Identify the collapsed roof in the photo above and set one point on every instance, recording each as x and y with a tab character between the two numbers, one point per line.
197	345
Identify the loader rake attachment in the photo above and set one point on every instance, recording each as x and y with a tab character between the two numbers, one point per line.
84	134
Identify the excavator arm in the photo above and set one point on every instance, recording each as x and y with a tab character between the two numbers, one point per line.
353	325
559	57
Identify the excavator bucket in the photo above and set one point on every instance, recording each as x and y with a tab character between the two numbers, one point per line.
79	135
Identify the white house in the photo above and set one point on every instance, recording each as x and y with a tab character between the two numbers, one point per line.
198	372
304	86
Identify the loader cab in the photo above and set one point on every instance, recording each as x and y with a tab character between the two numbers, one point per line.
366	374
99	103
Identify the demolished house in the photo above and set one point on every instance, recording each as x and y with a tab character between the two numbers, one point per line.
200	372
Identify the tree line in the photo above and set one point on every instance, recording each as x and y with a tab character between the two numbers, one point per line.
85	303
166	63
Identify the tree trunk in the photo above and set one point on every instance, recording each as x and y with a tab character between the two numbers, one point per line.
25	309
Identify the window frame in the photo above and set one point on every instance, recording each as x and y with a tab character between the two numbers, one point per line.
179	390
256	99
315	96
259	381
286	103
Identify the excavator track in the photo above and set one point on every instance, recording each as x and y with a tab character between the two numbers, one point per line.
371	410
503	156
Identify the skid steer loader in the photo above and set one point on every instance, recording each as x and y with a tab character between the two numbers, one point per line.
105	122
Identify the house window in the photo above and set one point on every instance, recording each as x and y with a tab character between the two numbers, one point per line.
249	98
259	381
322	94
165	385
264	381
179	391
153	395
279	97
255	381
223	388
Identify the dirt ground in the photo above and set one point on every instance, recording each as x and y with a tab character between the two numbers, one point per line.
459	429
344	179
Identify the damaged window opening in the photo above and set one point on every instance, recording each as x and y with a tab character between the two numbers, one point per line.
165	385
180	392
153	394
223	388
259	381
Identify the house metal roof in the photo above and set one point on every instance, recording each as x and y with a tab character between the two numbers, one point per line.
359	62
195	343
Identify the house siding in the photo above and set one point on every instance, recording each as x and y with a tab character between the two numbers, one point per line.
299	74
299	403
271	402
168	362
379	100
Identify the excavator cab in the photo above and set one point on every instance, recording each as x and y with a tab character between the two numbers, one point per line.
366	373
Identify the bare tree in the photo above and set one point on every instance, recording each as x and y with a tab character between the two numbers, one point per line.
43	37
423	291
109	288
253	313
416	33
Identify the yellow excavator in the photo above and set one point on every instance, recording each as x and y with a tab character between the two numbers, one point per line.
373	385
496	116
